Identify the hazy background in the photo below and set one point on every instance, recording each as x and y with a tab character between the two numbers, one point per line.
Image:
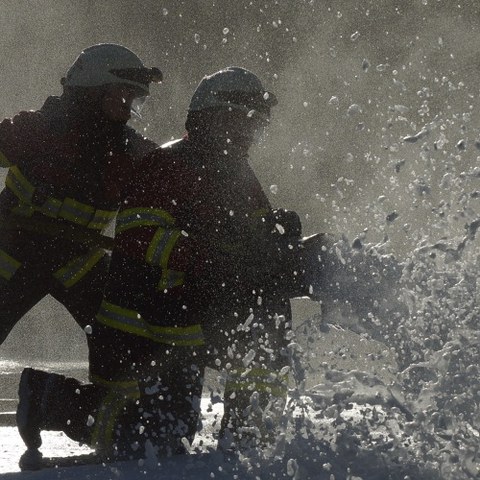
353	78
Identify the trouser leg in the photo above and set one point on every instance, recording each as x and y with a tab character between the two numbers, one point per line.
257	378
153	394
18	295
171	399
83	299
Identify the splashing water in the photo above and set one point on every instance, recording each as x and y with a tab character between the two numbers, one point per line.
424	420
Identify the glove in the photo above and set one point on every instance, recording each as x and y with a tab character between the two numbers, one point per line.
289	221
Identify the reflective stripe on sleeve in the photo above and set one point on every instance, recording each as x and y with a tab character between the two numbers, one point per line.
51	207
260	212
76	212
131	321
75	270
119	396
142	217
101	219
68	208
23	210
171	279
19	185
257	379
161	246
158	253
8	265
4	163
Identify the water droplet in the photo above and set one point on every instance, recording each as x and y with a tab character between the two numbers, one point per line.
334	101
354	36
354	109
225	31
274	189
197	38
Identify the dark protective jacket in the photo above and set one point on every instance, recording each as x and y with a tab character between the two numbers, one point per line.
67	167
196	262
196	231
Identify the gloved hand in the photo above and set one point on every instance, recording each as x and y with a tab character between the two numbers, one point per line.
287	222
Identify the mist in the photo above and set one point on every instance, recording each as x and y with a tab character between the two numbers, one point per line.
353	79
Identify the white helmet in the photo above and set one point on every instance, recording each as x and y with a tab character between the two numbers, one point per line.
234	88
109	63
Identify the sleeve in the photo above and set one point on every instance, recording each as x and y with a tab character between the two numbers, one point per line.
8	140
16	135
150	228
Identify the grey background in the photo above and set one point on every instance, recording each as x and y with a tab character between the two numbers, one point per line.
353	78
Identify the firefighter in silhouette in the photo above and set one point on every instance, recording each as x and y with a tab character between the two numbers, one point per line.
66	165
202	272
196	279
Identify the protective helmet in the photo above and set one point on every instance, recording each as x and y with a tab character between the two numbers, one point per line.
108	63
233	88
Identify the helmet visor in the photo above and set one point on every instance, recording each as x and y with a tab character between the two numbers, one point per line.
137	106
259	101
144	75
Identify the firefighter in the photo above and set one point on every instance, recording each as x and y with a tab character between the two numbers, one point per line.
196	279
198	271
66	164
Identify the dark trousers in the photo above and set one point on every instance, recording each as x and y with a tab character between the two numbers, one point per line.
141	391
40	257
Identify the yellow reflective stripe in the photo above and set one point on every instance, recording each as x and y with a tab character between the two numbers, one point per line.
177	336
23	210
4	161
69	208
128	386
8	265
75	270
171	279
258	379
161	246
101	219
120	318
131	321
76	212
19	185
110	409
158	253
261	212
51	207
142	217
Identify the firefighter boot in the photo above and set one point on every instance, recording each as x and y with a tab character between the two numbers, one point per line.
34	390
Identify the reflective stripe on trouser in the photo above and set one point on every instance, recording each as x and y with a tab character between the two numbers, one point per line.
119	395
4	163
142	217
257	379
76	269
8	265
130	321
